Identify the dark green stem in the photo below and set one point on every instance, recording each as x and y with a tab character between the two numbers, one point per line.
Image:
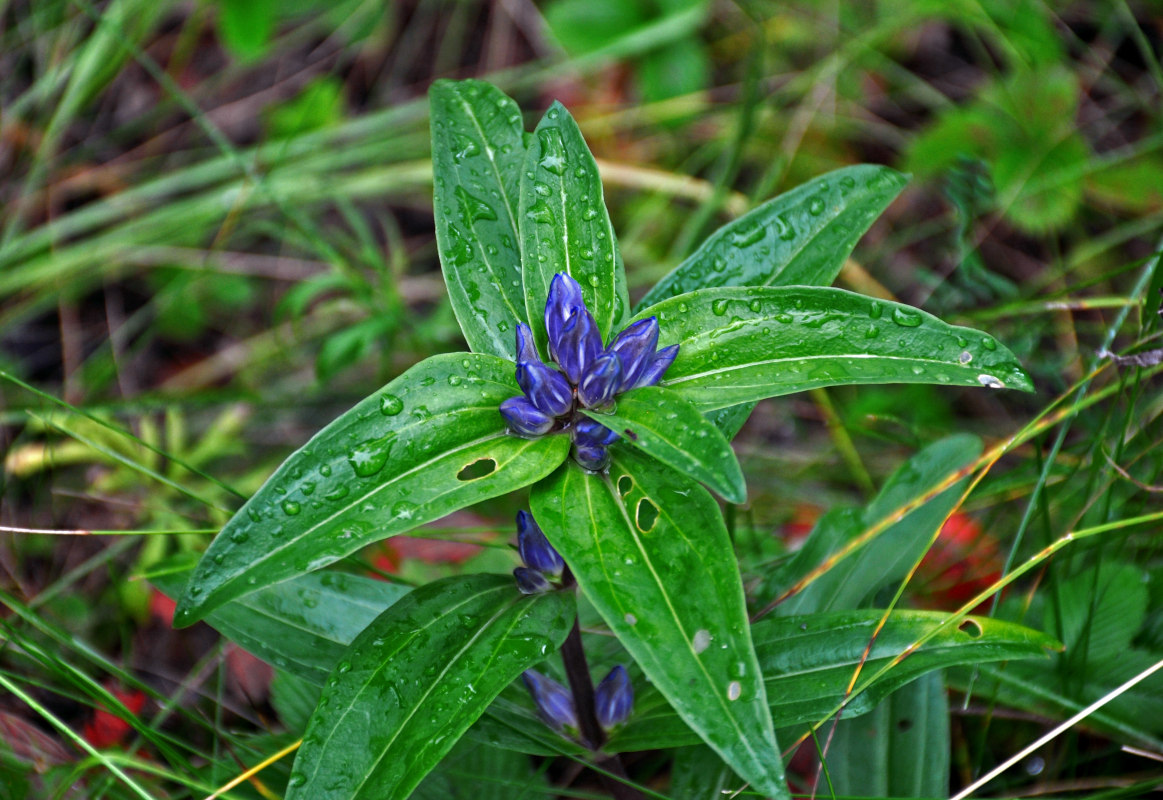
581	686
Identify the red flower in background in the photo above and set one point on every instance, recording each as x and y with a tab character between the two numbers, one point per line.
106	729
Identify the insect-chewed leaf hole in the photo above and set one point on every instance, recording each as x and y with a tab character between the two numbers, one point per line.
971	627
646	515
625	485
477	469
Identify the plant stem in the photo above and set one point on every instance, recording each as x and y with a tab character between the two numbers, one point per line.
581	686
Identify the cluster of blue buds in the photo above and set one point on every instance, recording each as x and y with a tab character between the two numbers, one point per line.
613	700
587	376
543	564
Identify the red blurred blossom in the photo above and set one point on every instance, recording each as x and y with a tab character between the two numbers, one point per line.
106	729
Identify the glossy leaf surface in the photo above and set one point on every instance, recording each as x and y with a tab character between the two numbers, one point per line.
302	625
391	463
664	426
417	678
650	551
478	150
808	662
740	344
800	238
565	227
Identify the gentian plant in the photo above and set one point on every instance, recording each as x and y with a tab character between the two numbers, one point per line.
617	419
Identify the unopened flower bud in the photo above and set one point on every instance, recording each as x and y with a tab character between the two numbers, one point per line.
545	387
600	382
530	581
526	349
614	698
524	418
535	550
635	346
657	367
565	296
595	458
588	433
554	702
578	344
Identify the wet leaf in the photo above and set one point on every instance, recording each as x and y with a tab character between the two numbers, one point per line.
800	238
664	426
393	462
565	227
741	344
651	553
478	149
417	678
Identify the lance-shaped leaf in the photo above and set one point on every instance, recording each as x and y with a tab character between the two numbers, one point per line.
302	625
565	227
650	551
417	678
808	663
406	455
478	149
800	238
741	344
663	425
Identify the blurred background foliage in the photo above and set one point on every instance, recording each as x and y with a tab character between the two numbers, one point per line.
216	234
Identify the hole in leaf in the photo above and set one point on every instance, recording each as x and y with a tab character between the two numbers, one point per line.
625	484
646	515
972	628
477	469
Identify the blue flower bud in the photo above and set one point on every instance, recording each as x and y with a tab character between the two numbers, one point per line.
635	346
595	458
530	581
545	387
565	296
524	418
587	433
535	549
577	345
657	367
614	698
600	382
526	349
554	702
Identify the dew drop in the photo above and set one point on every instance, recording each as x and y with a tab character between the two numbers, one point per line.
307	488
291	508
871	332
404	510
630	618
784	229
369	457
702	640
989	344
990	382
747	236
343	666
454	380
589	214
595	281
325	470
240	537
756	306
464	147
719	307
906	318
219	558
965	357
541	212
734	690
875	310
473	209
338	493
816	206
298	779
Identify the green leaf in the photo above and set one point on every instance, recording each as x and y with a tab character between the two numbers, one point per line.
731	419
390	464
302	625
246	26
699	774
808	663
650	551
741	344
901	749
681	67
417	678
887	558
801	237
565	226
1101	610
478	151
664	426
